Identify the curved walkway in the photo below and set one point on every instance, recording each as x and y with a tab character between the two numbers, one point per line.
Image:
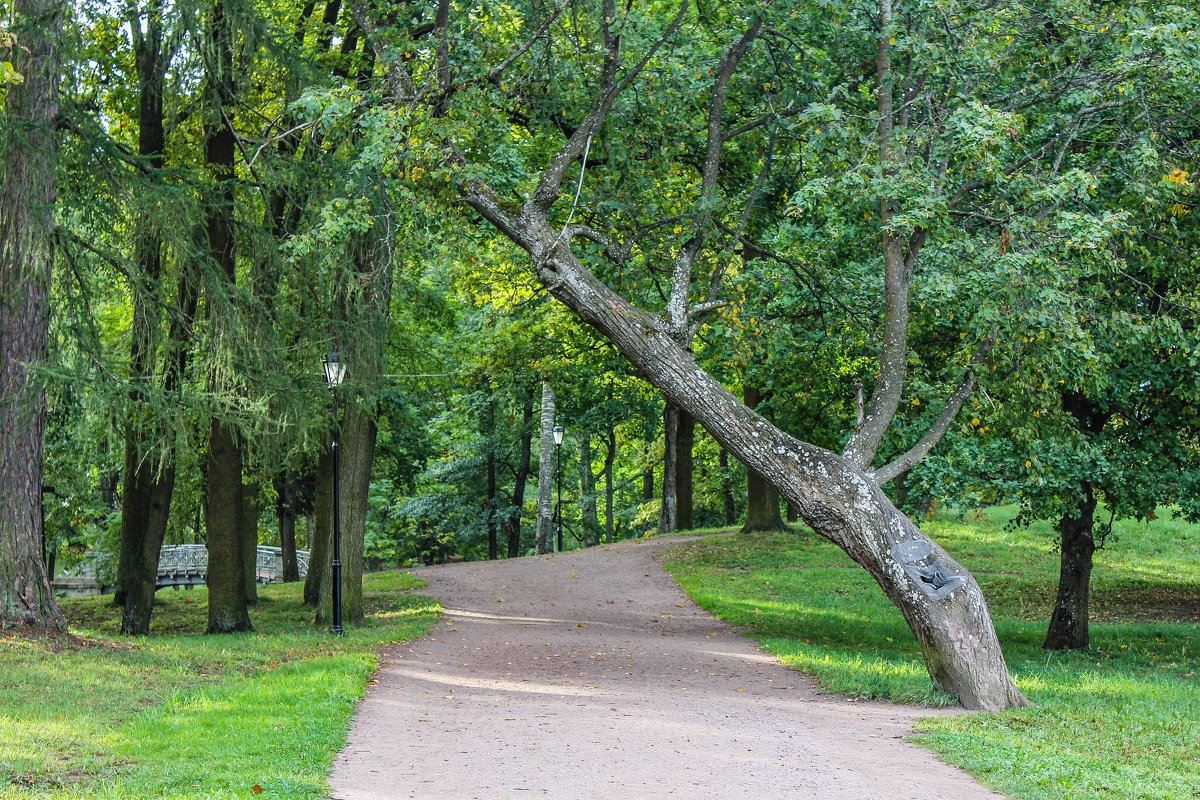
591	675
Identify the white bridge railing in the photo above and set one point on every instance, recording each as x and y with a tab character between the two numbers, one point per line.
187	565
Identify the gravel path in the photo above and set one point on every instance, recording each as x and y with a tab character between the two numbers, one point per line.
591	675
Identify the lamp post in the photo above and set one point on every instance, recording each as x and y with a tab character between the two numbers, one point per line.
558	436
335	371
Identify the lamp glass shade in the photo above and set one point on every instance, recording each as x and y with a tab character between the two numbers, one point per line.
558	434
335	369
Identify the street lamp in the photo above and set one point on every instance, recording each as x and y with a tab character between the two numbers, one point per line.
335	371
558	434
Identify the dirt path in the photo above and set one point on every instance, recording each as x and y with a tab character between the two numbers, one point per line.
591	675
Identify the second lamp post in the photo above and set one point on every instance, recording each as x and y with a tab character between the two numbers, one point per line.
335	370
558	436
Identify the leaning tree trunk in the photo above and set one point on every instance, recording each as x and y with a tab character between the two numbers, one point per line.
545	518
1069	622
938	597
27	195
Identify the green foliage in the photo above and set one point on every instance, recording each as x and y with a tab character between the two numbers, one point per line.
186	715
1118	720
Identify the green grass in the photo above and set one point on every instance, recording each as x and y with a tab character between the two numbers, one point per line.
1121	720
184	715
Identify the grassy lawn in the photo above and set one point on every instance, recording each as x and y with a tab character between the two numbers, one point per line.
1119	721
184	715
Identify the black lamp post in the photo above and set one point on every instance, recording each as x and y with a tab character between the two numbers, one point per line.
335	371
558	434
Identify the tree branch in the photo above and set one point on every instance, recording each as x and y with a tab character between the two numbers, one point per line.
681	279
941	425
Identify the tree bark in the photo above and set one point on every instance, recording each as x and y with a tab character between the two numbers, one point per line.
668	520
227	611
512	520
762	501
287	496
27	199
685	440
149	478
490	503
146	502
319	555
1069	623
545	519
948	617
251	492
359	432
610	458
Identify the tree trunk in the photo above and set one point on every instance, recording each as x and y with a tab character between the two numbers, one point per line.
938	597
251	493
287	496
668	520
685	440
545	519
513	519
610	458
359	432
587	492
762	501
152	493
27	198
727	488
149	480
319	556
1069	623
227	611
490	503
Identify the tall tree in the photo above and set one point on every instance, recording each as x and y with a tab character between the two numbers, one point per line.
27	234
938	597
148	480
545	516
227	609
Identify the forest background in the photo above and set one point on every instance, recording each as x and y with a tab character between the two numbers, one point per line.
953	241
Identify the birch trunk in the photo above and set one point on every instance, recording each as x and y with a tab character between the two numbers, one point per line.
545	518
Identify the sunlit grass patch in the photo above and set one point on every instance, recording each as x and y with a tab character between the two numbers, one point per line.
1119	720
184	715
